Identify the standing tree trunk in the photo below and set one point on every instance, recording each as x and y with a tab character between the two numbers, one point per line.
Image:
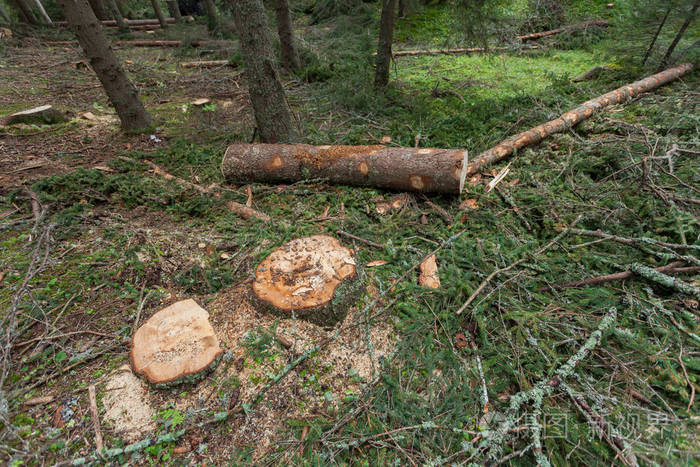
677	39
402	8
99	9
42	11
656	36
159	14
212	20
117	15
3	14
121	92
290	57
174	10
272	114
26	12
386	33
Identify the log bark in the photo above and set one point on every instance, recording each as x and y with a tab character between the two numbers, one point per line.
121	92
290	57
576	116
272	114
458	51
205	64
407	169
386	34
400	169
159	14
572	27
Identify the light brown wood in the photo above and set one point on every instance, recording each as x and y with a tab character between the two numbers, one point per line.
95	417
176	344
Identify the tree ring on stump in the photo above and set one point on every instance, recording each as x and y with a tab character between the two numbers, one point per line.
315	278
176	345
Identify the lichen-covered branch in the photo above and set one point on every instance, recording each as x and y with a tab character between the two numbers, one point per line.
665	280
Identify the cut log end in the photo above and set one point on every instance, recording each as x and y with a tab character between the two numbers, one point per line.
314	277
176	345
44	114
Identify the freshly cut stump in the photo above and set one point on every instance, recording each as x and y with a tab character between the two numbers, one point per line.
175	345
315	278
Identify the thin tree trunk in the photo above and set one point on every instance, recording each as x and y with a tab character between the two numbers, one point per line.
99	9
121	92
174	10
272	114
117	15
4	15
677	39
571	27
386	33
212	20
656	36
407	169
159	14
290	57
43	13
26	11
402	8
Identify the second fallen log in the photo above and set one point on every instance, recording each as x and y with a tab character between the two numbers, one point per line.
401	169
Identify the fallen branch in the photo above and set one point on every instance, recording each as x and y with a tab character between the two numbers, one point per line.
633	241
493	439
407	169
659	277
130	22
206	64
512	265
241	209
95	417
672	268
572	27
155	43
459	51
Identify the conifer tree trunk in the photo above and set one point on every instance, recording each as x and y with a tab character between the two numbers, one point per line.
174	10
272	114
677	39
121	92
402	8
212	20
386	33
42	12
159	14
656	36
99	9
290	57
121	24
4	15
26	12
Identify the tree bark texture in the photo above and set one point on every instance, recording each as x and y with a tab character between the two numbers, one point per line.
212	19
406	169
42	12
117	14
575	116
401	169
121	92
174	10
386	34
99	9
272	114
677	39
572	27
26	12
159	14
290	57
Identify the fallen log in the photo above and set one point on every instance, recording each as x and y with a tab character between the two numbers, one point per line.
156	43
462	51
206	64
407	169
601	23
576	116
130	22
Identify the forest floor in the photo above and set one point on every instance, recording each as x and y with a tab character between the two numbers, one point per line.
92	241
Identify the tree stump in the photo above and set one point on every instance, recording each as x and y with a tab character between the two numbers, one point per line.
43	114
176	345
315	278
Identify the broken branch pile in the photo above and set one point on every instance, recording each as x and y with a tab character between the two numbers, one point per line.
408	169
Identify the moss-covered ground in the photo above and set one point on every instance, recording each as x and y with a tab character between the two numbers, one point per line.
110	233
